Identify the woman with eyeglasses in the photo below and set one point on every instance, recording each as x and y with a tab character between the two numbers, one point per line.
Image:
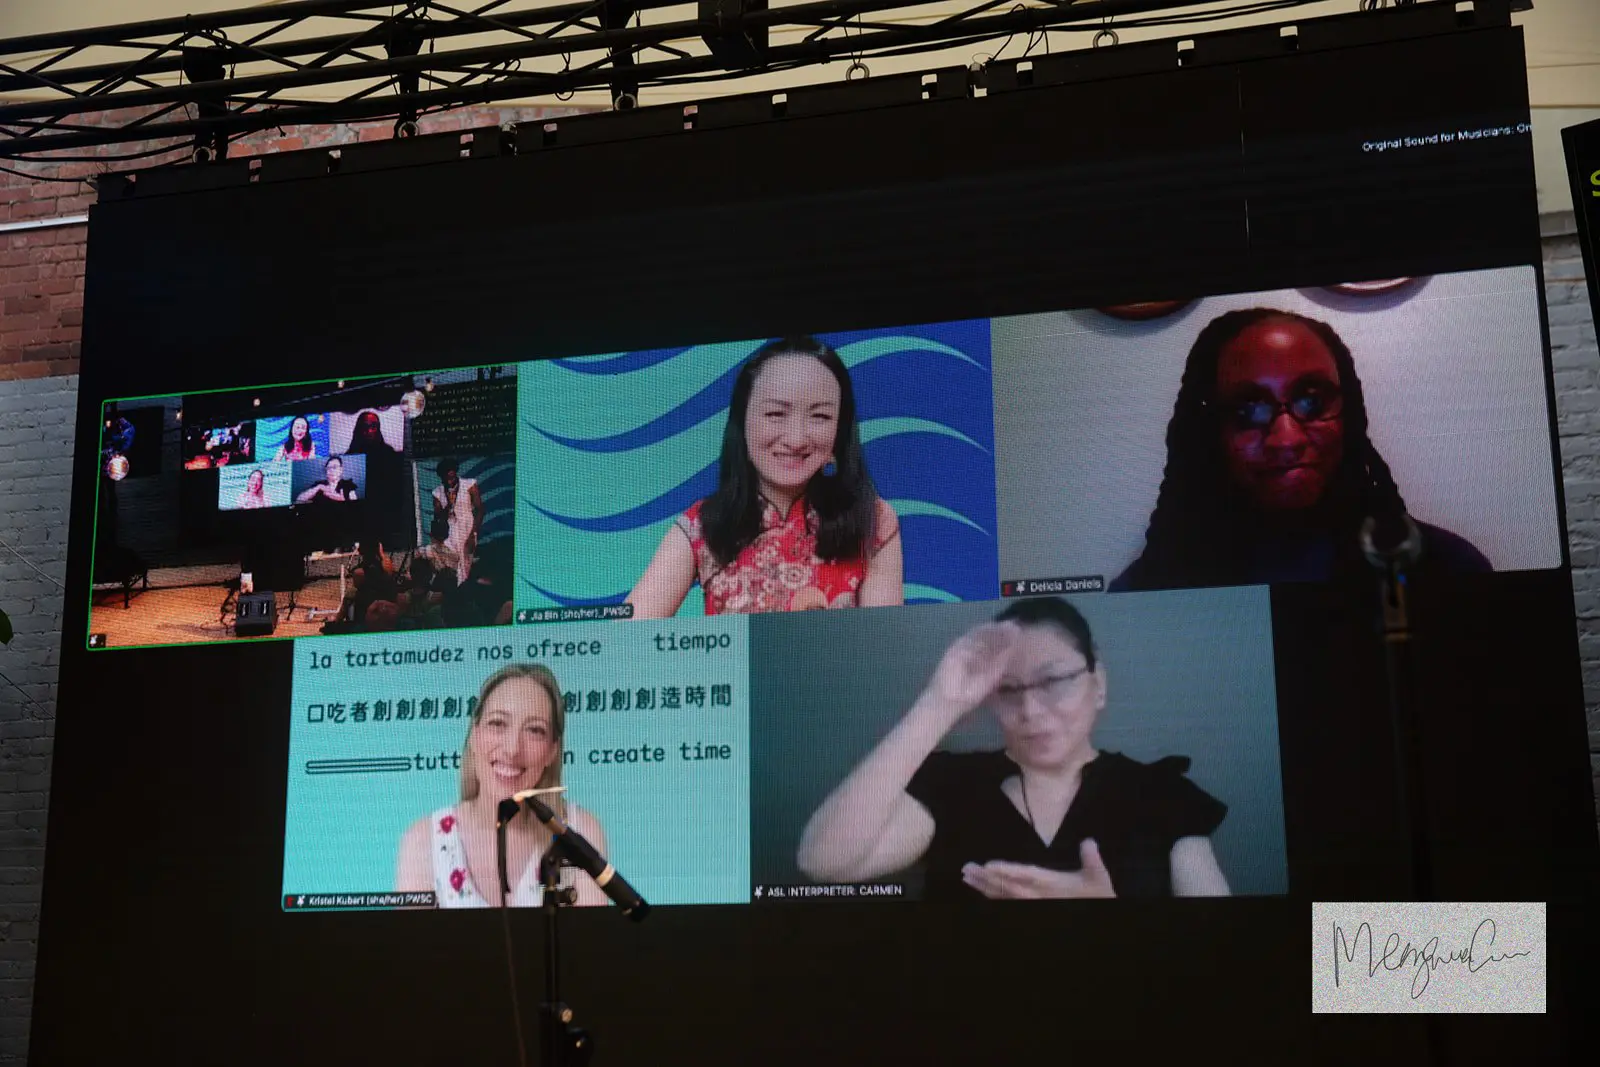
1049	816
1270	473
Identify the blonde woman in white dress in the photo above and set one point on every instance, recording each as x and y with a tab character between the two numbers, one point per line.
514	743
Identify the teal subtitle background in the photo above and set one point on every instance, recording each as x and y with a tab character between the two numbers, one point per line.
679	829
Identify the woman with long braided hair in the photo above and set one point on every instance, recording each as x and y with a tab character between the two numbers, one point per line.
1270	472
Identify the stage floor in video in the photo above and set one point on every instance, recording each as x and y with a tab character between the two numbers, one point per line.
193	613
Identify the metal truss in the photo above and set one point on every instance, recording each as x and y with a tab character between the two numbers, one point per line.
236	71
201	81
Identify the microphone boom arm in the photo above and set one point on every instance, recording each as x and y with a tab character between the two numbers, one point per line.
580	853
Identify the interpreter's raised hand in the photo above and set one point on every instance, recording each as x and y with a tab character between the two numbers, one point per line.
972	667
999	880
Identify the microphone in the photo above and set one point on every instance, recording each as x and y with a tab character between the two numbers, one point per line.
1392	542
583	854
504	814
502	818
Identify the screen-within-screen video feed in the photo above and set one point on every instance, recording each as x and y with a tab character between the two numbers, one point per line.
340	479
915	774
140	437
377	504
205	447
242	486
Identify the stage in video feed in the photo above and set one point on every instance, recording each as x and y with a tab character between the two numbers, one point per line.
1243	439
337	507
402	746
1041	748
842	470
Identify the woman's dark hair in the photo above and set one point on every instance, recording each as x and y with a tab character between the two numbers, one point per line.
306	447
367	434
1053	611
1198	531
845	501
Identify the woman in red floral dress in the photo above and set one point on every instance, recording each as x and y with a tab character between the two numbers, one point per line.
795	523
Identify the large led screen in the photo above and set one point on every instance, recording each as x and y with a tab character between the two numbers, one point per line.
1013	700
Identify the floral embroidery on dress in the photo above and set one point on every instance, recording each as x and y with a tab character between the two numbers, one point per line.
780	570
452	876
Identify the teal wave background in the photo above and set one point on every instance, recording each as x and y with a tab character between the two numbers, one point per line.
612	447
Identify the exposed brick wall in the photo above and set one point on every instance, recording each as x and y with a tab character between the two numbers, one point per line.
1576	360
36	439
41	271
41	279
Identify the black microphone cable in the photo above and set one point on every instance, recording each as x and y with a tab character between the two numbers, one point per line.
506	812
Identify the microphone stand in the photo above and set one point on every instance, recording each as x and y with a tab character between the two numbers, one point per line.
563	1045
1393	560
506	812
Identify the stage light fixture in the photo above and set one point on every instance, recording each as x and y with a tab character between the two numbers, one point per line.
341	384
256	402
413	403
117	467
735	45
427	384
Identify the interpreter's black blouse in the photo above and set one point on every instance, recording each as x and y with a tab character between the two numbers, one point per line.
1134	811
